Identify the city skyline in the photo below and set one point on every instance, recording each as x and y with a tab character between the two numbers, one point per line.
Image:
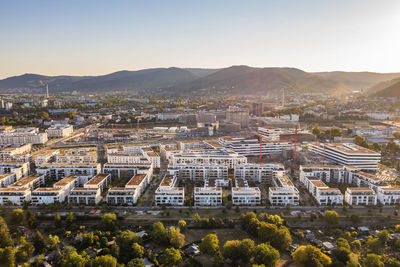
94	38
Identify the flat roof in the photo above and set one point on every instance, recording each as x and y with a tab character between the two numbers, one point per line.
136	180
318	183
167	180
65	181
25	181
99	178
6	189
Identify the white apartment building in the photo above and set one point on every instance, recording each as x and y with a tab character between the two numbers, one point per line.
246	196
388	195
21	169
360	196
15	196
77	155
208	157
326	173
208	195
85	196
67	184
270	133
196	172
122	196
323	194
283	192
47	195
31	182
45	156
20	136
132	154
248	146
57	171
348	155
260	173
166	149
127	170
138	182
7	179
60	130
99	181
18	153
168	194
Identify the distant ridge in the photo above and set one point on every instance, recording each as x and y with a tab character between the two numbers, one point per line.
235	80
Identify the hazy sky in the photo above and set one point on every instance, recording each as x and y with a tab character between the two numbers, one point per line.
90	37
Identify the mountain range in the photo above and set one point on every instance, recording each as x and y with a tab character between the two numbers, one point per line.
236	80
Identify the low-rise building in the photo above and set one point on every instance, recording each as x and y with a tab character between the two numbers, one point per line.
47	195
283	192
7	179
31	182
260	173
16	153
16	196
208	196
168	194
388	195
196	172
57	171
127	170
85	196
86	155
60	130
360	196
122	196
99	181
44	156
20	136
243	195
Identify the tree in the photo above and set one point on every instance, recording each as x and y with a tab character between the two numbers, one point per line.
135	263
7	256
383	236
316	130
182	225
265	254
30	218
57	220
266	231
282	239
374	244
396	135
5	237
125	241
356	244
359	140
196	218
230	250
53	242
17	216
331	217
209	244
73	259
39	242
160	233
376	147
341	254
334	132
392	147
176	238
310	256
373	260
70	218
25	250
137	250
104	261
343	243
109	221
171	257
246	247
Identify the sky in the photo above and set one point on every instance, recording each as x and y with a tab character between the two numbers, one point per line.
93	37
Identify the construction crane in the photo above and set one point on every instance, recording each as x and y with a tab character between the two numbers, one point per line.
260	137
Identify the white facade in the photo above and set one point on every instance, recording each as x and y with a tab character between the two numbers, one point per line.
21	136
196	172
44	156
283	192
7	179
99	181
260	173
47	195
122	196
127	170
19	153
247	146
388	195
348	155
207	196
168	194
16	196
60	130
360	196
246	196
85	196
77	155
57	171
